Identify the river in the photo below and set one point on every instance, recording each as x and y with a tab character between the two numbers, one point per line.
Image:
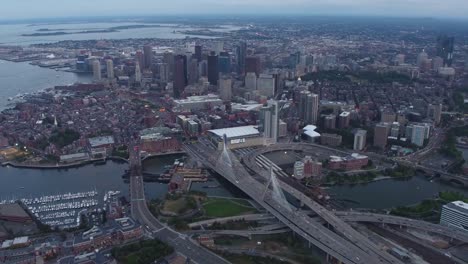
382	194
16	183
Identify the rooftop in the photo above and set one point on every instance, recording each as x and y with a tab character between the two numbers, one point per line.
234	132
309	130
99	141
14	210
198	98
459	206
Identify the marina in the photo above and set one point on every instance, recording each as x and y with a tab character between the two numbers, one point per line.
64	211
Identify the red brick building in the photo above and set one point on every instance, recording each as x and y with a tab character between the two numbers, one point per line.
353	162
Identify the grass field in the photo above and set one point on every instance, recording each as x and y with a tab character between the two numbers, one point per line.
174	206
218	207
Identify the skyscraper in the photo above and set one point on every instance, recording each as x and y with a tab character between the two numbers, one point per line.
137	73
344	119
312	108
163	69
193	72
251	81
445	49
213	70
308	107
218	47
225	88
252	64
198	53
437	63
421	59
224	62
241	55
140	58
360	139
269	121
168	58
180	75
434	111
148	52
418	135
266	85
381	135
96	70
110	69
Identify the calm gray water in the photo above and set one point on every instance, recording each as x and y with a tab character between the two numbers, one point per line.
381	194
18	183
21	77
11	34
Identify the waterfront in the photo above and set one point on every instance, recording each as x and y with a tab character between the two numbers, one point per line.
12	34
21	77
386	194
17	183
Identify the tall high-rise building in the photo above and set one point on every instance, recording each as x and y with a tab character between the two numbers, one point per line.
269	121
213	70
169	59
110	69
218	47
224	62
253	64
225	88
266	85
137	73
381	135
344	119
437	62
198	52
312	109
308	107
180	75
421	60
329	121
140	58
241	53
418	135
251	81
164	72
148	52
360	138
96	70
444	49
434	111
193	71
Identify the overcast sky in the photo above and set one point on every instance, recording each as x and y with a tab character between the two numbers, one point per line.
23	9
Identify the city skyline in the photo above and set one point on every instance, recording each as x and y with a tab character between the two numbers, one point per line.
25	9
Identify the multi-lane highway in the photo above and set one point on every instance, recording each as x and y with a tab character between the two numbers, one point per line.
351	248
351	216
141	213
